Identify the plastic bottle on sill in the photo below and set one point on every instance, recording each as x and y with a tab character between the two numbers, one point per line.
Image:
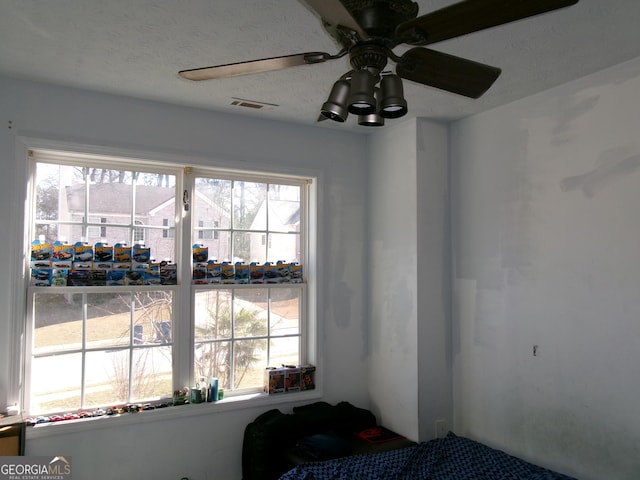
213	390
204	390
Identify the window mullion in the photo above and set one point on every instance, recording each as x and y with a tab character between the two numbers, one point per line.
232	342
83	368
183	316
268	326
85	216
132	220
132	372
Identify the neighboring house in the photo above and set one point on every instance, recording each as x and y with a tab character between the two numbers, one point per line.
284	222
110	206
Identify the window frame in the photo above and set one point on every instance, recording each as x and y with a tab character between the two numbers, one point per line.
184	290
196	228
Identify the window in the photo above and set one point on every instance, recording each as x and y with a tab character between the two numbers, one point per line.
167	232
101	335
138	233
239	331
204	230
95	231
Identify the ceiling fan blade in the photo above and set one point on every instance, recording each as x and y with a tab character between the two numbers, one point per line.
474	15
254	66
335	13
447	72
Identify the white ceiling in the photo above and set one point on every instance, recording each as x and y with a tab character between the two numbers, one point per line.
136	47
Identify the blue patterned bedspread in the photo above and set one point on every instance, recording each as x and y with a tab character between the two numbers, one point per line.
449	458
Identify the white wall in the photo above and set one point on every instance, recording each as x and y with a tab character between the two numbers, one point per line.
410	375
545	195
207	446
435	363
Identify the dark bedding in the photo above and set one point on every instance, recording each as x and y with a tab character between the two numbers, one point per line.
449	458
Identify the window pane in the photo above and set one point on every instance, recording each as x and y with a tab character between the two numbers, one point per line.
249	205
155	206
114	235
214	198
108	319
109	373
257	247
284	208
285	311
283	246
212	216
250	313
55	184
55	383
218	243
57	323
110	194
151	373
213	359
244	248
152	318
107	377
212	315
284	351
250	360
59	191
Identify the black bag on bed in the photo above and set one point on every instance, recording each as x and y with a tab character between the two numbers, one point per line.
270	436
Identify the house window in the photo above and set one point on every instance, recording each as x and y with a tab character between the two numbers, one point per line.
204	230
112	339
95	231
138	233
168	231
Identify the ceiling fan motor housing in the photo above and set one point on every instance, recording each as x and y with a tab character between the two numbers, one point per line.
379	18
368	55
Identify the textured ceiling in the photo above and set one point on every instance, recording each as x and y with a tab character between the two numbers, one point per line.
136	47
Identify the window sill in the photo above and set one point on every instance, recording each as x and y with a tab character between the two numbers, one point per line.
239	402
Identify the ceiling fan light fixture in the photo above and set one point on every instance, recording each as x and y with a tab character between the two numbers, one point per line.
362	100
368	31
372	119
335	108
393	103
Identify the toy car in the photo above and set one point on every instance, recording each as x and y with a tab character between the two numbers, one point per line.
40	274
41	255
200	257
104	256
141	258
84	256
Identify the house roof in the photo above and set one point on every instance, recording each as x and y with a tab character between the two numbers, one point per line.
115	198
285	211
281	213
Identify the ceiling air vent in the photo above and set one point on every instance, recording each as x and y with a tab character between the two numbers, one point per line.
243	102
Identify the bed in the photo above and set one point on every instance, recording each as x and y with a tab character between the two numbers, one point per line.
320	441
449	458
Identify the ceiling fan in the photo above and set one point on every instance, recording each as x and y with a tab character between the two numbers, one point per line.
369	30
